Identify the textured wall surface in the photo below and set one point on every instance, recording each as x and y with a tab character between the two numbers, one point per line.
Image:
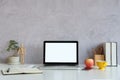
91	22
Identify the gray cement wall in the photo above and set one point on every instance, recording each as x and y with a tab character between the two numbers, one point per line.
91	22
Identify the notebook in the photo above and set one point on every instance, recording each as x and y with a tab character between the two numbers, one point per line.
12	71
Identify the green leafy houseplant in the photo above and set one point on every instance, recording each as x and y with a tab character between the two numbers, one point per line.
13	46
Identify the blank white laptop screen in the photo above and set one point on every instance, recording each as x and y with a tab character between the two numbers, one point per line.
60	52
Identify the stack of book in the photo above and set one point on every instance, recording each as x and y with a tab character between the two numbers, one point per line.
110	51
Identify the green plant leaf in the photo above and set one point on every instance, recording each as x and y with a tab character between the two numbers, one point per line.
13	45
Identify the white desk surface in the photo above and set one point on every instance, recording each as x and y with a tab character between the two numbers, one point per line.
64	73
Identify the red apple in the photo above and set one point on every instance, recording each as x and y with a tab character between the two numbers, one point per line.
89	63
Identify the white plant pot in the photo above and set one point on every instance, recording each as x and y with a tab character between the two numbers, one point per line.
14	60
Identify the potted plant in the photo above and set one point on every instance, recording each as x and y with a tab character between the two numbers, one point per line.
14	47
